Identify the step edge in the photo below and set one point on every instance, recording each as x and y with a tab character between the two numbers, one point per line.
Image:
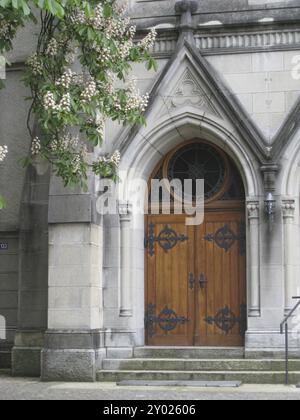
200	372
146	359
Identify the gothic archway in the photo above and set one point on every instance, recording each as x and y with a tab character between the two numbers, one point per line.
196	275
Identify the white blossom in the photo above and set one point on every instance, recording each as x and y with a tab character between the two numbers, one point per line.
135	100
78	17
149	40
52	48
35	146
5	28
76	163
70	142
35	63
89	92
49	101
65	103
116	158
50	104
66	79
100	126
132	31
124	49
3	152
98	19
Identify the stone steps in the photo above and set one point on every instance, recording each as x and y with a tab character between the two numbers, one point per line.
189	352
248	377
164	364
209	364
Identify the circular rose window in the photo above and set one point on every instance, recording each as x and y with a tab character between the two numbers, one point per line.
199	161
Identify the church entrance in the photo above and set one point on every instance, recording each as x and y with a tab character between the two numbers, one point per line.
196	275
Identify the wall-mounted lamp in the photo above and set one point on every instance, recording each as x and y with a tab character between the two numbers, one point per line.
270	205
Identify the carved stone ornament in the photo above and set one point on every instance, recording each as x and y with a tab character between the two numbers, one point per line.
253	209
189	92
288	208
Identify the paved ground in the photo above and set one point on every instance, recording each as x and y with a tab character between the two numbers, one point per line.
33	389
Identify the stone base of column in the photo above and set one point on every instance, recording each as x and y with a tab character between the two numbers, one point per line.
26	354
270	344
72	355
124	338
254	312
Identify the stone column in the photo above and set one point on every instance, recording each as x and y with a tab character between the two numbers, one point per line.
289	241
33	274
125	211
254	257
74	342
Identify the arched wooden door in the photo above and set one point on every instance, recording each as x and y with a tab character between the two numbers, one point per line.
196	275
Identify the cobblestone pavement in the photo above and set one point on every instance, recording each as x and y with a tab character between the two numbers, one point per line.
33	389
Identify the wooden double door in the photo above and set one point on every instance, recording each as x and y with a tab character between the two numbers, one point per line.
196	280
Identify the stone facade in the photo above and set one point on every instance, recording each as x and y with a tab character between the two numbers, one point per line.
71	281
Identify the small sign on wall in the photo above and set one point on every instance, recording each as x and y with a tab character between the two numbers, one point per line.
3	246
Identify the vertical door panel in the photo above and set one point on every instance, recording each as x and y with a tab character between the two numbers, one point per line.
220	256
170	305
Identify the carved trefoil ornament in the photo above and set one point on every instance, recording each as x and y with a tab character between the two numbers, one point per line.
189	92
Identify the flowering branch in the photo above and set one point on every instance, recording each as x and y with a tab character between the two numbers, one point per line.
72	106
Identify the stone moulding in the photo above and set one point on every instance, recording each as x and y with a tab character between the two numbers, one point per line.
218	41
249	41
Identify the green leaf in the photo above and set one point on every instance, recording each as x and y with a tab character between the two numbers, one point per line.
5	3
152	64
2	203
25	7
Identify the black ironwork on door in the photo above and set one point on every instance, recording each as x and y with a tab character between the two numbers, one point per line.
226	320
167	239
167	320
225	238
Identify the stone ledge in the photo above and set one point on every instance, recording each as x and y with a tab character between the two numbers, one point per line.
73	339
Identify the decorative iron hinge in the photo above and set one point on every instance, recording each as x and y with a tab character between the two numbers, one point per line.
167	239
225	238
226	320
167	320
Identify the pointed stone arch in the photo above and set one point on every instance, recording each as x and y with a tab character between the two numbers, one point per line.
149	146
140	158
290	162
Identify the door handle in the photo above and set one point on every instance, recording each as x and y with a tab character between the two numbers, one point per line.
202	281
192	280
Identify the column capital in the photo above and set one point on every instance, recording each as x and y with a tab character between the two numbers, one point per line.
253	209
288	208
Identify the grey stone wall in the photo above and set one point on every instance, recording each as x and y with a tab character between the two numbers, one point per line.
33	274
13	133
161	12
13	114
263	83
8	294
